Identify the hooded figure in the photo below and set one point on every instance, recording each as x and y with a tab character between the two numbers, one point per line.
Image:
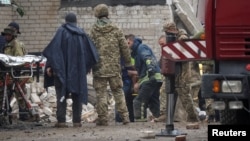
70	56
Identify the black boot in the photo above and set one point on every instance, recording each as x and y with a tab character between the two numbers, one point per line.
23	114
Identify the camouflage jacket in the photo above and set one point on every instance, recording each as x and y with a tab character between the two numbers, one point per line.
111	46
14	48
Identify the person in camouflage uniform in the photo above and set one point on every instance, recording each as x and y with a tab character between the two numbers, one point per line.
163	95
213	115
111	45
162	41
14	47
186	74
206	68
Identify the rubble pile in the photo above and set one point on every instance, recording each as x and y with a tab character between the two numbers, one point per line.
44	103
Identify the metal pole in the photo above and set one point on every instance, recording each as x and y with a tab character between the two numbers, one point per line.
169	131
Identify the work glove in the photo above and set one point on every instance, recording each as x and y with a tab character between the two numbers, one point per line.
151	73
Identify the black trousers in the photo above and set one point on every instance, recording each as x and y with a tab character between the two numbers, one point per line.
61	106
148	97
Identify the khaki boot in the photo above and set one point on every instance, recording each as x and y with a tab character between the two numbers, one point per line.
77	125
61	125
101	122
161	118
125	121
193	125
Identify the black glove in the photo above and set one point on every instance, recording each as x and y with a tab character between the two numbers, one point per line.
151	74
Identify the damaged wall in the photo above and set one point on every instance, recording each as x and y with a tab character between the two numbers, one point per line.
43	17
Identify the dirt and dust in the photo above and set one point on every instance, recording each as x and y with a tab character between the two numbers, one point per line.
136	131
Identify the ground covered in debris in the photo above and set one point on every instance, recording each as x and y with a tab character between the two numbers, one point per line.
138	131
44	130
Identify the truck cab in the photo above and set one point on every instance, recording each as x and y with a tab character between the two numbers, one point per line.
227	37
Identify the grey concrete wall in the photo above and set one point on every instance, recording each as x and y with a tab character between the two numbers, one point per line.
43	17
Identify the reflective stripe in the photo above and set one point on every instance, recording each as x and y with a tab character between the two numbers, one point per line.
157	76
133	61
148	62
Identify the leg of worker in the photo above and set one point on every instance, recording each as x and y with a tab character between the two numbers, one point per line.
163	99
145	92
76	108
154	102
120	103
61	106
127	88
23	109
100	85
188	104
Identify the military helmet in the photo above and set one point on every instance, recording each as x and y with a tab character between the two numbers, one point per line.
9	30
168	26
101	10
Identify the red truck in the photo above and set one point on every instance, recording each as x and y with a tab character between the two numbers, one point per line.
227	44
227	29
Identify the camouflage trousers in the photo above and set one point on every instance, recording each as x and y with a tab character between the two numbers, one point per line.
207	69
163	98
178	114
100	84
187	93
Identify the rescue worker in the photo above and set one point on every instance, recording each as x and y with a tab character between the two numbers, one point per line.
14	47
127	79
206	67
185	75
162	41
111	45
15	26
150	79
70	56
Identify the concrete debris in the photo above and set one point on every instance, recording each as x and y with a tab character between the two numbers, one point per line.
43	103
186	15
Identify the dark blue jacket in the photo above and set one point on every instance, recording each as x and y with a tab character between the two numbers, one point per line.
2	43
71	55
141	53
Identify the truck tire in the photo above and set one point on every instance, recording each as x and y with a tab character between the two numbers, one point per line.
229	116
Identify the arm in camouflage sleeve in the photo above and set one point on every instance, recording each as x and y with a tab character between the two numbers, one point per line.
124	49
18	49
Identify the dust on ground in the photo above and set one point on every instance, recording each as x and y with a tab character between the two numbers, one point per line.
135	131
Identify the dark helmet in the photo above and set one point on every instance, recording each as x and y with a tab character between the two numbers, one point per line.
16	26
101	10
9	30
71	18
